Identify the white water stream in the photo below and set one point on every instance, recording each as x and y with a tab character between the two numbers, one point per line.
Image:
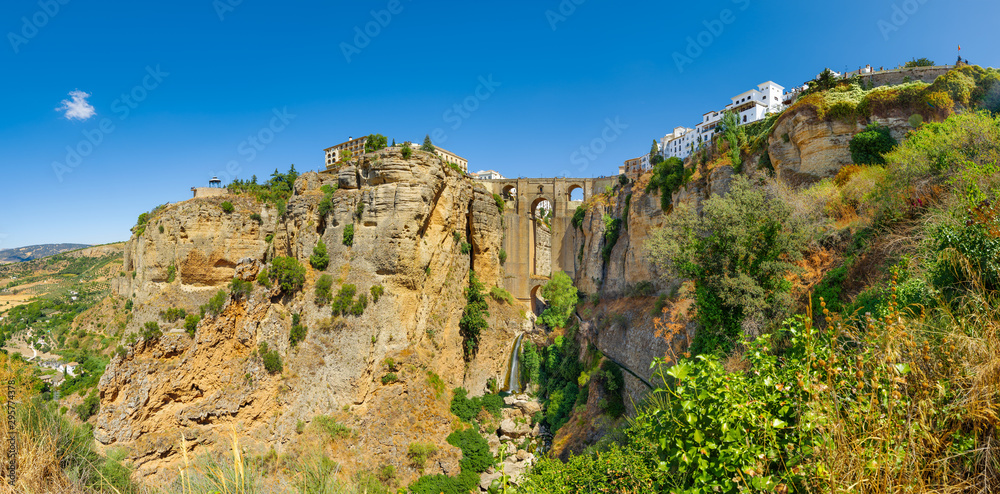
512	383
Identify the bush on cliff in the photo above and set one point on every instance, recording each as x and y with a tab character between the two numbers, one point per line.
324	289
215	304
474	316
288	273
349	235
869	146
561	297
319	258
738	253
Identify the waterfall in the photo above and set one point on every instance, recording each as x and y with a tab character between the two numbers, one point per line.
512	383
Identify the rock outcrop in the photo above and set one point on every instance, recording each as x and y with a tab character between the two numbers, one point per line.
404	214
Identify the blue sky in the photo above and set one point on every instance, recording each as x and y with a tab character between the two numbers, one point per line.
183	90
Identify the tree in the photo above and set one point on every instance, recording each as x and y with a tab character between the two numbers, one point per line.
825	81
427	145
738	254
324	291
319	259
654	154
668	176
288	273
919	62
375	142
474	316
561	297
730	126
869	146
406	151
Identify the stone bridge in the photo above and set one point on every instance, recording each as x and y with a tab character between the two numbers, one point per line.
536	250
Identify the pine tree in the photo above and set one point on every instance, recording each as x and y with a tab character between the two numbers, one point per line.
427	145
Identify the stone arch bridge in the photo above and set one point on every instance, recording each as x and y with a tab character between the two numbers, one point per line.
536	250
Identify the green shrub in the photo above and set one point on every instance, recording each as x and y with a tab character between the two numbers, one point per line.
269	237
359	305
377	291
389	378
616	469
466	247
530	363
739	253
622	180
288	273
271	359
161	228
344	299
419	453
464	407
359	210
171	273
501	295
870	146
503	257
614	383
578	216
298	331
151	331
474	316
492	403
90	406
263	279
612	229
191	324
435	382
239	288
319	258
406	151
561	297
256	217
349	235
332	428
172	314
375	142
227	207
324	289
499	201
476	454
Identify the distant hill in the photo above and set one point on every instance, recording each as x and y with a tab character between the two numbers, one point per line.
30	252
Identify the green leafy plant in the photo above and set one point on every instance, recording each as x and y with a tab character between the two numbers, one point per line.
503	256
561	297
344	300
270	358
389	378
151	331
298	331
215	304
288	273
406	151
239	288
324	289
227	207
349	235
869	146
377	291
474	316
171	273
191	324
319	258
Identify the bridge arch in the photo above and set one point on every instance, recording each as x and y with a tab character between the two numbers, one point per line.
538	303
528	245
573	188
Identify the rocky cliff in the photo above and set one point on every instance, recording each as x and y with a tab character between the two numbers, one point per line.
405	213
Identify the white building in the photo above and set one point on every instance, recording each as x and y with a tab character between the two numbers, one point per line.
749	106
488	175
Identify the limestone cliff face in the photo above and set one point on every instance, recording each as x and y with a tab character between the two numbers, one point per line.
805	148
405	213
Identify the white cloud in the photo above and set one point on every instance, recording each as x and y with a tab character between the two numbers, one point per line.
78	108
